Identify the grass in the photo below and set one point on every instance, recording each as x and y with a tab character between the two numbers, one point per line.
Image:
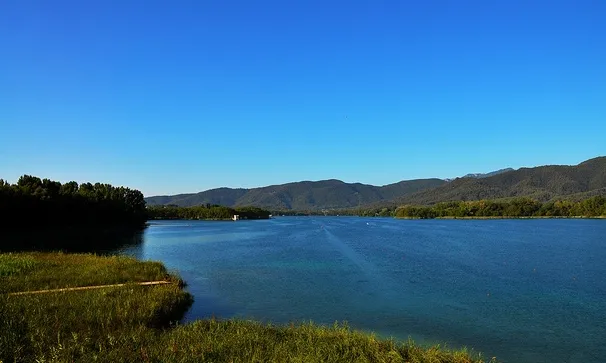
136	323
11	265
248	341
39	271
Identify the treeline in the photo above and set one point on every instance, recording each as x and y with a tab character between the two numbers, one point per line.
520	207
208	211
43	202
41	214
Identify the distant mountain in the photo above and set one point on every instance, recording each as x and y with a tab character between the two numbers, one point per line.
305	195
484	175
543	183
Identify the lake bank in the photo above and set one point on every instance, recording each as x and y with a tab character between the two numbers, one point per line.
135	323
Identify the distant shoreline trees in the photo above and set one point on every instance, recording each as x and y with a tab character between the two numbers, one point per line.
207	211
514	208
519	207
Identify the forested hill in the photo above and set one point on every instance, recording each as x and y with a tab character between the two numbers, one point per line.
542	183
305	195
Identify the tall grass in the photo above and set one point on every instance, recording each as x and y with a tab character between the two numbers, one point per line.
79	324
39	271
249	341
11	264
137	324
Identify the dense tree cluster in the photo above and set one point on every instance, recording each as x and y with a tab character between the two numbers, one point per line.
519	207
48	203
207	211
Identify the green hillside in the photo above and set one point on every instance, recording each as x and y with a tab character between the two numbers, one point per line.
542	183
305	195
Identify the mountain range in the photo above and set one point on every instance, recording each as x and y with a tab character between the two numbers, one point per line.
542	183
305	195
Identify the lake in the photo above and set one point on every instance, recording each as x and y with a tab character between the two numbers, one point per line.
521	290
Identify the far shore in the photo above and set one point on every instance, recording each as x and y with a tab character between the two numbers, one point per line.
510	217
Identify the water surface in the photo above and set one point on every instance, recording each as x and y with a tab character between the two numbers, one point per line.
521	290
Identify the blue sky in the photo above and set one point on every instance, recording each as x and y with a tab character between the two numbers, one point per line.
182	96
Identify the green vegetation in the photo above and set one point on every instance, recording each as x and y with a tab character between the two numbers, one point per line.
136	324
12	265
503	208
40	271
81	325
213	212
518	207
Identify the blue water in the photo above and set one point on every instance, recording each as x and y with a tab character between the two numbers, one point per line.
521	290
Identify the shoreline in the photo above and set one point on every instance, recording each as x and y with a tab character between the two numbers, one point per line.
510	217
144	320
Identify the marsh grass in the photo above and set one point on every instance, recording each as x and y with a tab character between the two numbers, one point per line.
39	271
11	264
83	322
138	323
249	341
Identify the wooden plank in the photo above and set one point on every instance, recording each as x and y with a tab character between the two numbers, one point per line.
147	283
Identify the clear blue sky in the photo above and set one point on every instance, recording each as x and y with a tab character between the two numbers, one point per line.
182	96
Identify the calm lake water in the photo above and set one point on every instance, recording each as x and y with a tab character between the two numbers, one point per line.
521	290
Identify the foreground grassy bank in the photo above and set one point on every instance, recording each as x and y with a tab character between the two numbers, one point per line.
136	323
38	271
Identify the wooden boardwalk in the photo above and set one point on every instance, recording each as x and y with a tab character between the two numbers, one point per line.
147	283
